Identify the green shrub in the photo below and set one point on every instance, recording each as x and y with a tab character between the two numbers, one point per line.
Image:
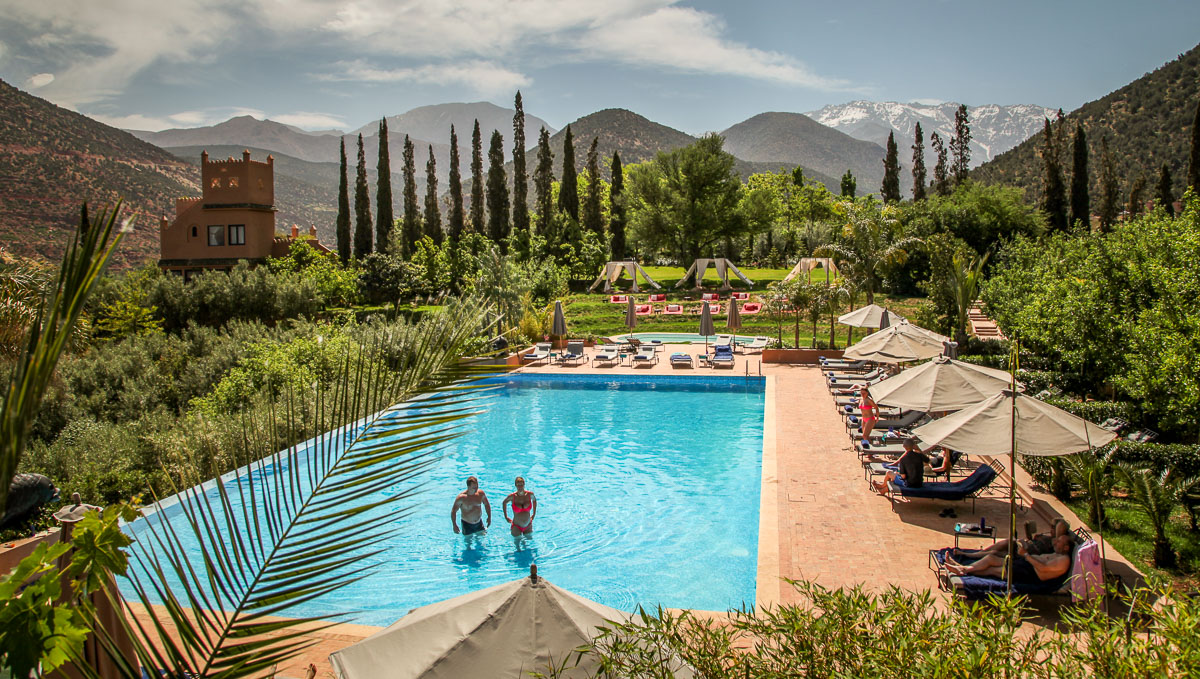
1096	411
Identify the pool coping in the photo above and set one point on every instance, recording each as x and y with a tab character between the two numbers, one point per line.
767	589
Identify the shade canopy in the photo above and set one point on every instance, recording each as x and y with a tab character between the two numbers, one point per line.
706	324
630	314
559	326
870	316
504	631
940	385
986	428
900	343
733	320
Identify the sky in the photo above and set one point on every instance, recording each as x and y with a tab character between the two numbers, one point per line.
699	65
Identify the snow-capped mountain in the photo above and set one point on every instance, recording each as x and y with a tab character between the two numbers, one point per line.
994	129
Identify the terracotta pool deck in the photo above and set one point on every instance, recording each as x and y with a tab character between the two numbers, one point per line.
819	520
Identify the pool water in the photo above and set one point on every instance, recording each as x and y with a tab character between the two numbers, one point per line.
682	337
647	490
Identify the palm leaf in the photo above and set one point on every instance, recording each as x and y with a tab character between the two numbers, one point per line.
50	332
293	526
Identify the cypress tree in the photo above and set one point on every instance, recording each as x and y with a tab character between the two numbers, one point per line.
362	206
433	214
543	186
960	146
890	191
849	186
1109	187
918	164
592	218
1081	209
1165	199
456	197
412	210
383	191
616	225
520	202
1054	201
568	188
941	179
476	180
1194	161
497	193
1137	196
343	216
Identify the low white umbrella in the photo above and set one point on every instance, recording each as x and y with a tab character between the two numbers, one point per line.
869	316
901	343
942	384
1009	423
504	631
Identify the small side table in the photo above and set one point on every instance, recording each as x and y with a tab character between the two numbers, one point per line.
964	530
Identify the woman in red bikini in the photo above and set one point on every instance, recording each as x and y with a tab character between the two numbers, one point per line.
524	506
869	410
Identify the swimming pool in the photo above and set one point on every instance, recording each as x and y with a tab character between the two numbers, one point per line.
647	488
681	337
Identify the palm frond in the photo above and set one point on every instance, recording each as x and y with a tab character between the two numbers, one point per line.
50	332
216	566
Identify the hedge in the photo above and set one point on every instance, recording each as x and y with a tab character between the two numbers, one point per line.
1183	458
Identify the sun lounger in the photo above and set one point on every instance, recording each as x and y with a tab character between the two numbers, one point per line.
751	308
645	355
1074	583
757	344
1142	436
656	297
619	299
1114	424
644	309
673	309
680	359
969	488
841	379
574	352
839	364
722	355
541	351
907	420
609	353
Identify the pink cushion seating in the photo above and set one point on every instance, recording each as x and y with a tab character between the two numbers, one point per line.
619	299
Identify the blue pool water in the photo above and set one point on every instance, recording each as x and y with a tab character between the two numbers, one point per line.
682	337
647	489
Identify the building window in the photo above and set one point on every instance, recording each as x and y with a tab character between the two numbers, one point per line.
216	235
237	234
215	183
194	232
233	182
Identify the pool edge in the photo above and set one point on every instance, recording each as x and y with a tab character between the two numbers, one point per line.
767	591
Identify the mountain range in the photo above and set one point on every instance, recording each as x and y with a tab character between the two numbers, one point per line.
1148	123
994	128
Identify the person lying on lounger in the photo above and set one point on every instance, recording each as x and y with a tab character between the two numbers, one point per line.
1027	568
910	469
1040	544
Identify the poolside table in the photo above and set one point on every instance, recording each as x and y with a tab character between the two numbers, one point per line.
971	530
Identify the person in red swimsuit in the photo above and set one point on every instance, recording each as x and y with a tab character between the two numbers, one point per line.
869	410
524	506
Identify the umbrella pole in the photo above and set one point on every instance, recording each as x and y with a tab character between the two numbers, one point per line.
1012	474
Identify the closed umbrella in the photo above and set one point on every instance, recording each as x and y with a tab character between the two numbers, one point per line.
885	319
559	326
901	343
706	325
939	385
733	320
1008	423
630	317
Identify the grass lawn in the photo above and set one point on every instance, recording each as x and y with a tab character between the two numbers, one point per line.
1128	530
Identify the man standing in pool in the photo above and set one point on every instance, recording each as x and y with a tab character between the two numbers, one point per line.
472	502
524	506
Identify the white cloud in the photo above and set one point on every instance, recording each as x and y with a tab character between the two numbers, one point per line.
136	121
307	120
484	77
40	80
189	118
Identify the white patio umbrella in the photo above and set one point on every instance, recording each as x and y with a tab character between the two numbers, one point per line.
733	319
870	316
1008	423
502	631
901	343
942	384
559	325
706	324
630	316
